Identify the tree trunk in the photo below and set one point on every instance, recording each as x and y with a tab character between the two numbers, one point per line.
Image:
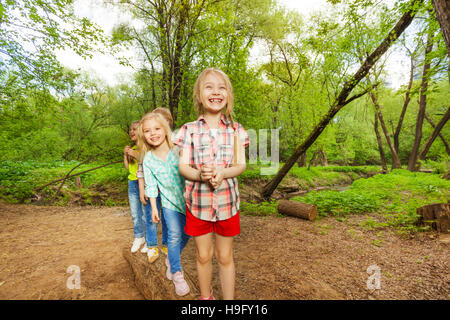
302	160
297	209
177	70
395	159
433	136
442	10
380	144
341	99
444	141
405	106
412	163
435	215
151	280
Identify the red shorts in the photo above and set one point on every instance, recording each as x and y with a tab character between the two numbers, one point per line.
227	228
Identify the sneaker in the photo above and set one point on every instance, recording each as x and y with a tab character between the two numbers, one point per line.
152	254
164	250
181	286
144	249
137	243
211	297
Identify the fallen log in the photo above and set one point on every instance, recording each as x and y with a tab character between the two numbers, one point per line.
435	215
297	209
151	280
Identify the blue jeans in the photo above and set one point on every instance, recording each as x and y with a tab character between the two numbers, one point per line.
136	208
177	238
151	229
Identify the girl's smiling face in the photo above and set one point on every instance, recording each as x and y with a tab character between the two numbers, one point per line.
133	132
154	132
214	93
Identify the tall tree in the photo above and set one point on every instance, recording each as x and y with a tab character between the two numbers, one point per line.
422	102
342	98
442	9
30	34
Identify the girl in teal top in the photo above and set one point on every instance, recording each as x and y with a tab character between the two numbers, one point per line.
160	166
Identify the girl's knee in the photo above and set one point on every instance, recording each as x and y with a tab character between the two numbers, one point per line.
224	257
204	256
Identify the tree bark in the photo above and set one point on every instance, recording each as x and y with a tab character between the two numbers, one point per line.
444	141
151	280
442	10
436	131
342	99
380	144
297	209
395	159
177	70
435	215
412	163
405	106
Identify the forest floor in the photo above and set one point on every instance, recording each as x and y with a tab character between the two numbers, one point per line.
275	257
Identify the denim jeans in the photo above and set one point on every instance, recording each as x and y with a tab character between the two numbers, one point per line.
136	208
176	237
151	235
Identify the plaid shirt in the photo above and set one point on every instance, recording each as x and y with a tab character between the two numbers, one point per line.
166	177
195	138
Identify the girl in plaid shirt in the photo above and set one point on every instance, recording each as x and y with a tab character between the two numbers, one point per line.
212	155
161	176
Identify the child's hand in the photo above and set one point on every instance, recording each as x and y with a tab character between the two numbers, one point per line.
207	172
217	179
125	149
155	217
143	199
132	153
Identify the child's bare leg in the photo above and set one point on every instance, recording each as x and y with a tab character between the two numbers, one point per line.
224	256
205	251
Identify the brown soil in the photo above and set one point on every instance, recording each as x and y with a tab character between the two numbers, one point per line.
276	258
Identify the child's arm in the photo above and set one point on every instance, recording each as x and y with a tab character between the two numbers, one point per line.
190	173
125	157
155	215
142	195
230	172
141	182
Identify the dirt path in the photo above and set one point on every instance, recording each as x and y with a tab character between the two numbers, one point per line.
276	258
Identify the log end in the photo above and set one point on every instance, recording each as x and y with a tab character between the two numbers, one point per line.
151	280
297	209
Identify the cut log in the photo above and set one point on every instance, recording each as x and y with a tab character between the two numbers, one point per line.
436	215
151	280
297	209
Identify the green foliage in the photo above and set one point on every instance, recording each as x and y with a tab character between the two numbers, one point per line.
395	196
18	181
31	33
265	208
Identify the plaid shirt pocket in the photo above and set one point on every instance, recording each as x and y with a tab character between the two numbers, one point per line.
225	154
202	154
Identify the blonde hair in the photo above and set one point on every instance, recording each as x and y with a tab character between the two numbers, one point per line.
230	95
142	145
133	143
165	112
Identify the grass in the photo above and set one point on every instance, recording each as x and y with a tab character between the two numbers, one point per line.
394	196
18	181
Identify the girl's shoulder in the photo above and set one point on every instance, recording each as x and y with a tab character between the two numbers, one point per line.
147	156
175	151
